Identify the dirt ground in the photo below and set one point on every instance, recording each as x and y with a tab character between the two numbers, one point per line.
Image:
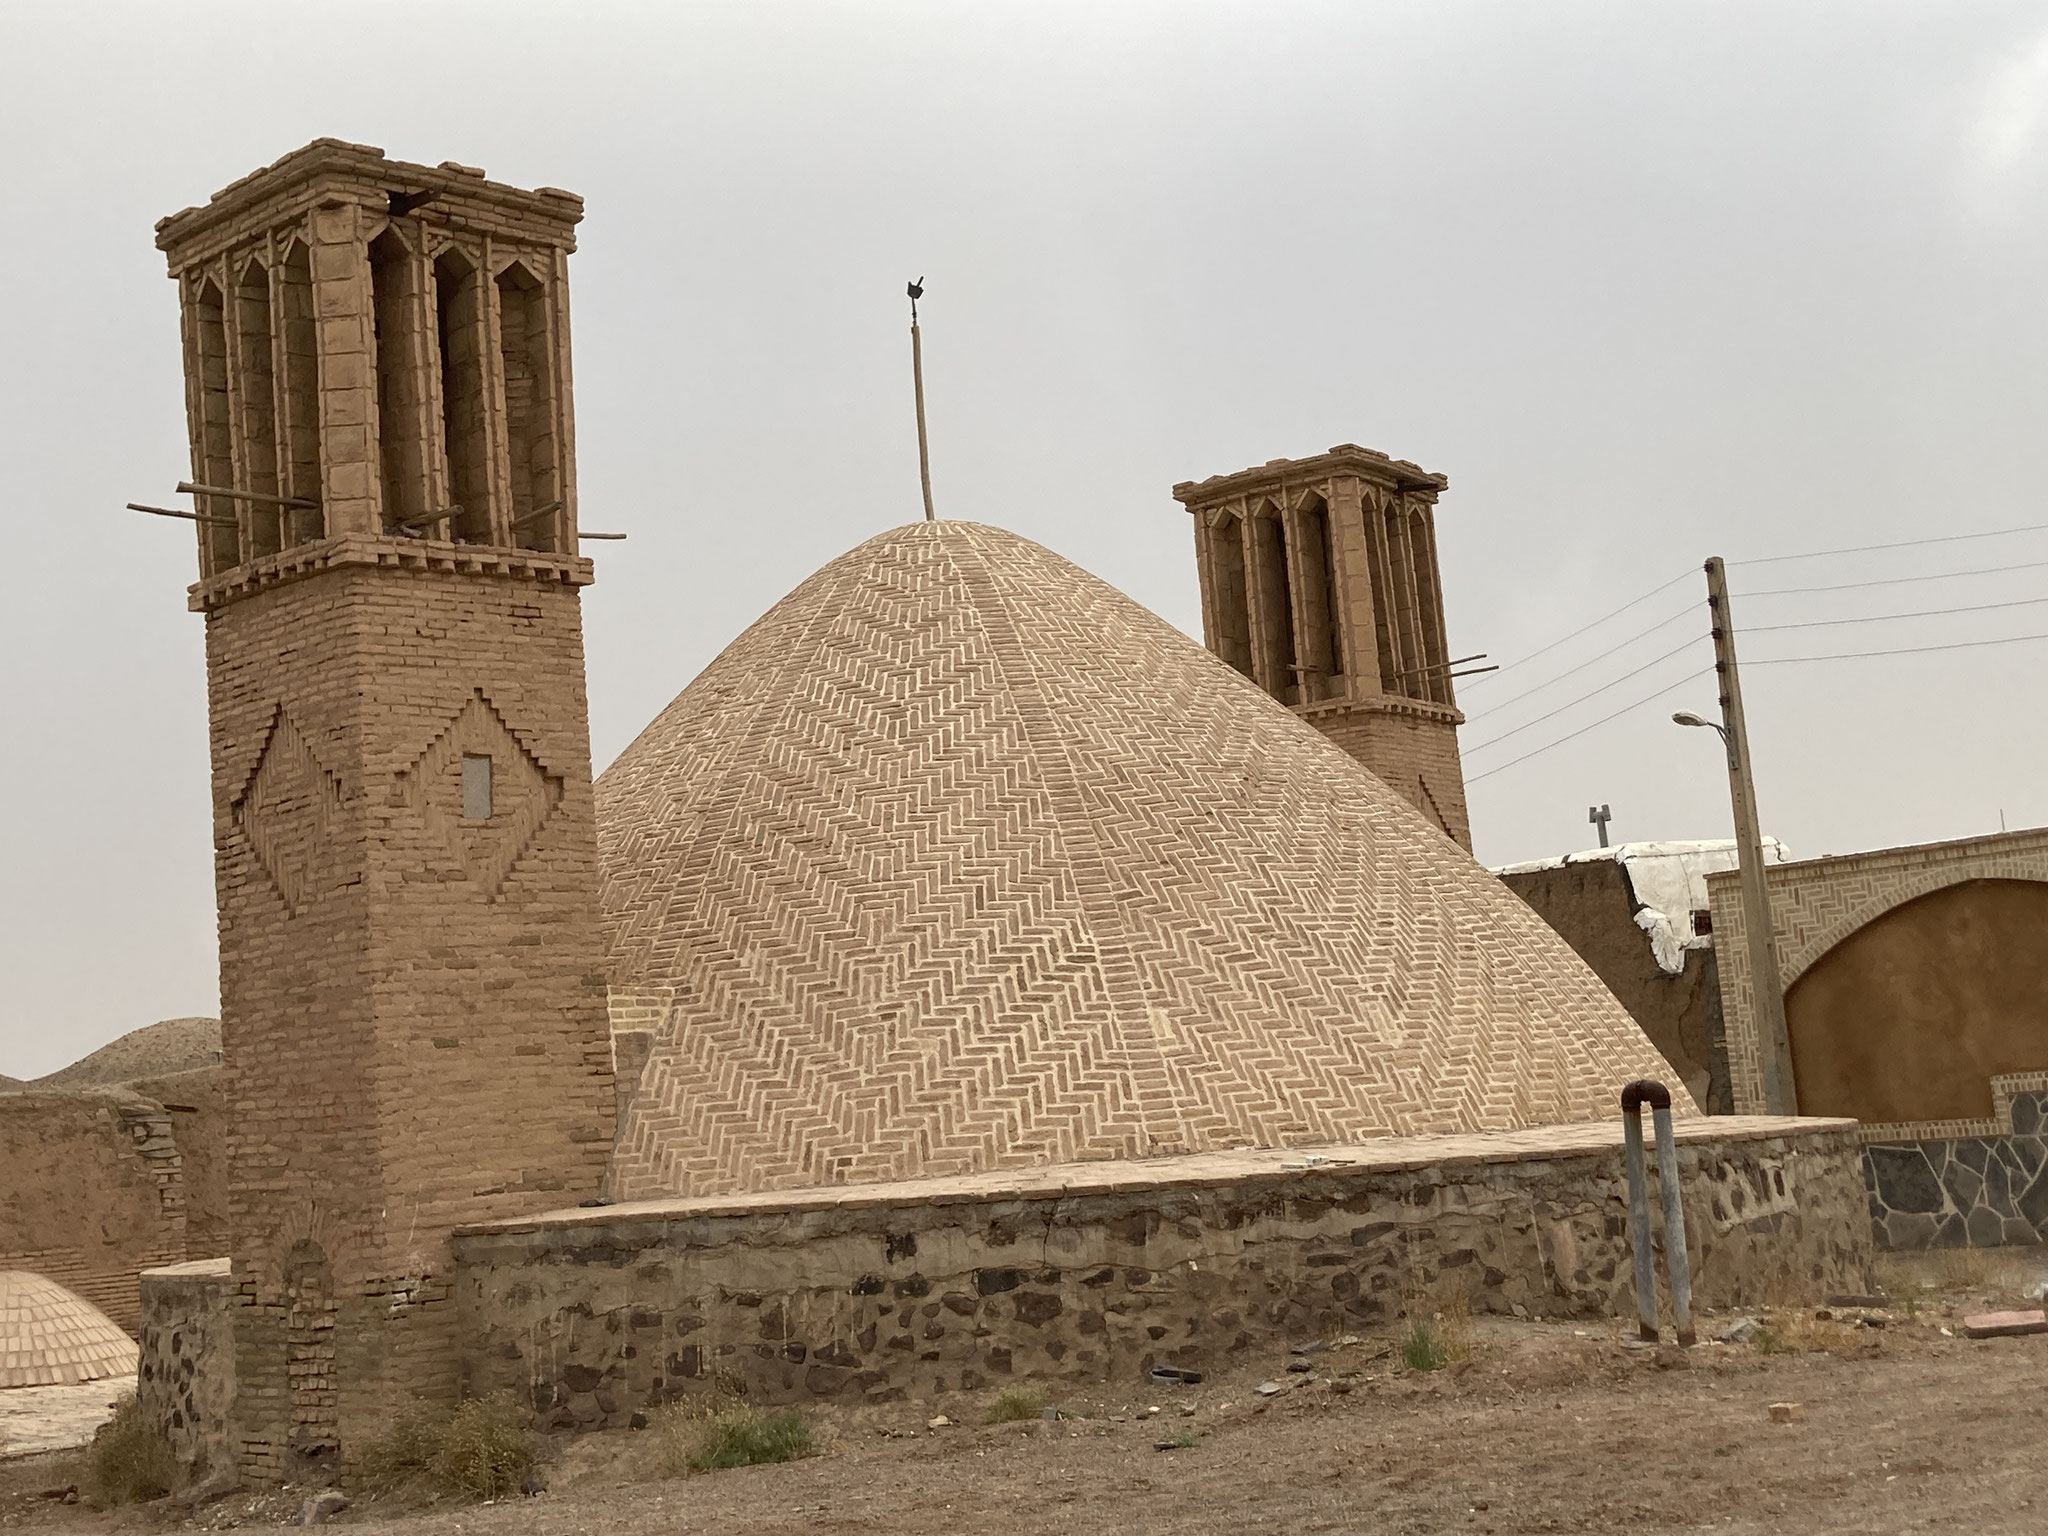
1539	1427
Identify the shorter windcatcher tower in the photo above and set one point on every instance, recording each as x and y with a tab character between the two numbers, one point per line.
413	1009
1320	584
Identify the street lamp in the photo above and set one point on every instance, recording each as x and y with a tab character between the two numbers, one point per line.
1767	992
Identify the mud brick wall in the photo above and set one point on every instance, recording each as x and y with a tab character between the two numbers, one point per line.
92	1192
1102	1272
186	1376
413	998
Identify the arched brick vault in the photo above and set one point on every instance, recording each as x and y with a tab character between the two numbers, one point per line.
1817	903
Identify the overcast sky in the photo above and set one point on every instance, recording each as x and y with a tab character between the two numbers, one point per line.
1648	282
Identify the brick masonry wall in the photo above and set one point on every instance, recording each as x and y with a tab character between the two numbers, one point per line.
1102	1272
413	1004
93	1192
196	1103
1414	753
1817	903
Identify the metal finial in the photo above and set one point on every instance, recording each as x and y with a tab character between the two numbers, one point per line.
924	458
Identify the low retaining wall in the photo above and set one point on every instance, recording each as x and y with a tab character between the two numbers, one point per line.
1983	1186
185	1380
1102	1271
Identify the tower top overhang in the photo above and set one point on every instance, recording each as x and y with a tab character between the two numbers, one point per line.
1366	464
331	172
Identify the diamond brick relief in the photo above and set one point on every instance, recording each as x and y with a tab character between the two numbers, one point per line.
522	792
285	809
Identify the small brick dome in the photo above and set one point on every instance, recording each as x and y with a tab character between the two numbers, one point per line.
960	860
50	1337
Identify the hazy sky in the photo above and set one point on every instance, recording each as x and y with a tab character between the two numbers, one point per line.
1649	282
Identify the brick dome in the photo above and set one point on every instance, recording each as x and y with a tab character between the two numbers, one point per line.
959	859
50	1337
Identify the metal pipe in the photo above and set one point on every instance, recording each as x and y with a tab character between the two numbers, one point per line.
1639	1207
1677	1266
189	489
190	517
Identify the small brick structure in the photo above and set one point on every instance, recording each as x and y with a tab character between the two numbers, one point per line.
1320	584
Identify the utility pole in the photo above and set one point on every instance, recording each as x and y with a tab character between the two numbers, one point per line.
1599	815
1767	995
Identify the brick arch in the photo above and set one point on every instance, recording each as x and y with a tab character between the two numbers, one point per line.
1796	961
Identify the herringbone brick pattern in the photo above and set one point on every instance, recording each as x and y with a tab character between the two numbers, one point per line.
961	860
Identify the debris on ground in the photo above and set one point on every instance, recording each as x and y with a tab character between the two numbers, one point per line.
1788	1413
2004	1325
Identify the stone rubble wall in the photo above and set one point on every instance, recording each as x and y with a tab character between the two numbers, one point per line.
596	1317
186	1377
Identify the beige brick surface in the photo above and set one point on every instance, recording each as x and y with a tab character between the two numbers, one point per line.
961	860
1320	582
48	1336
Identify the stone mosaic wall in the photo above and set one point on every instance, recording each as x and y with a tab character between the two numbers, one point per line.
186	1377
1985	1191
1102	1272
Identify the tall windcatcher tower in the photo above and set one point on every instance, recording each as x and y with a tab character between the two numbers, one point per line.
413	1002
1319	583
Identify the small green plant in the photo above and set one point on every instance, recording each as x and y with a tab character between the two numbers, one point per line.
1183	1440
481	1449
130	1460
1014	1403
746	1436
1424	1349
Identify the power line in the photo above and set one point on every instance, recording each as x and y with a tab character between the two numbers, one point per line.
1879	618
1906	650
1595	693
1688	611
1894	581
1624	608
1864	549
1539	751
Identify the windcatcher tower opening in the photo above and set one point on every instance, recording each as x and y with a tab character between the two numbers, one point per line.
1320	584
412	992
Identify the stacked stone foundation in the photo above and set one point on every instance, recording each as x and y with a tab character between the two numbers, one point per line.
1101	1273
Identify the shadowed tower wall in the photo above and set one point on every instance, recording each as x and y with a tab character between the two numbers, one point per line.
1320	584
412	990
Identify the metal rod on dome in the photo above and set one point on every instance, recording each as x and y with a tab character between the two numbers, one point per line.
924	456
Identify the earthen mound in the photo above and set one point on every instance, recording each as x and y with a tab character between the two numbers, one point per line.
50	1337
155	1050
959	859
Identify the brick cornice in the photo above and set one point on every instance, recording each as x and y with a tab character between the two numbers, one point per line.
387	553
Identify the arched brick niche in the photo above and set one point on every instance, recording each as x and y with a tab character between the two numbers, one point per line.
1910	1016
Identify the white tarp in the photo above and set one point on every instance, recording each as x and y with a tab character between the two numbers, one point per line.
1669	881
